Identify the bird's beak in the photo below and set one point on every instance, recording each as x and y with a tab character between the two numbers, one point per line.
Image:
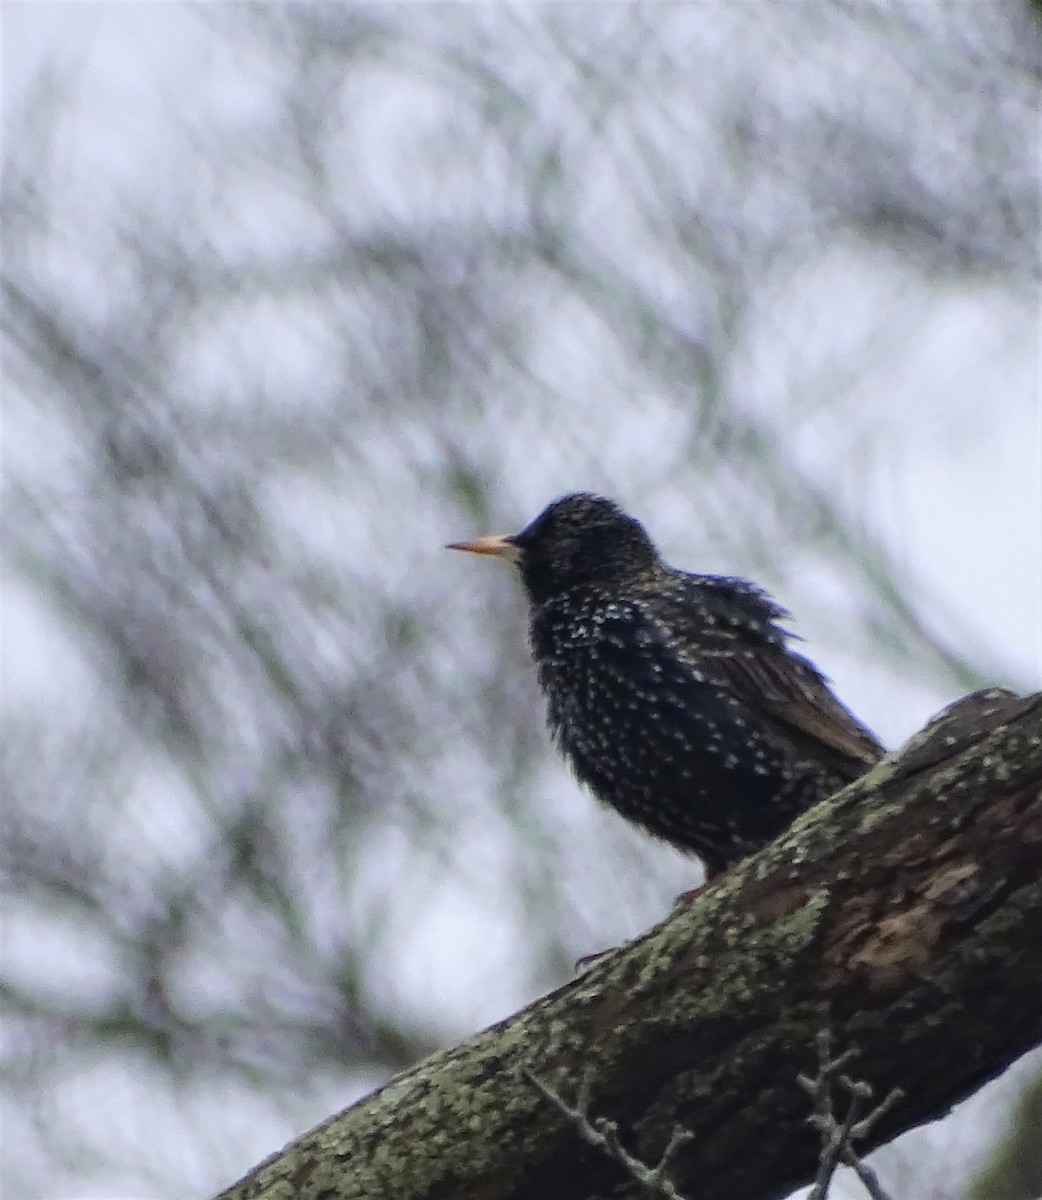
498	545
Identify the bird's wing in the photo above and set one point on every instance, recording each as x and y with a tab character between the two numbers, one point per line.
788	688
727	629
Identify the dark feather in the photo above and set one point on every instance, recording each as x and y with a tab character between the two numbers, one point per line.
676	696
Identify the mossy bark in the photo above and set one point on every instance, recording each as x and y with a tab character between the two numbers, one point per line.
904	913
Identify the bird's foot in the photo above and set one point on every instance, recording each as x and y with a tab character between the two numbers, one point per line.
710	877
587	960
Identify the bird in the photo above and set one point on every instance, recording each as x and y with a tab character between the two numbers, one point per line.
676	697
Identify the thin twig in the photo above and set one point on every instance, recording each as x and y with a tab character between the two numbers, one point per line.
603	1134
866	1175
837	1137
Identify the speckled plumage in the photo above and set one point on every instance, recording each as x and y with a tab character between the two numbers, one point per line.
675	696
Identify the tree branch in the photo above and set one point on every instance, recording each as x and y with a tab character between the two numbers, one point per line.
904	914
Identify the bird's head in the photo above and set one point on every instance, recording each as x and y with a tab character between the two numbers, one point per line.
579	539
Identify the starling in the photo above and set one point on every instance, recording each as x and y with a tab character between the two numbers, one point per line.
675	696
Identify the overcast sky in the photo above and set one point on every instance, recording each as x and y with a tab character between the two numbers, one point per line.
960	505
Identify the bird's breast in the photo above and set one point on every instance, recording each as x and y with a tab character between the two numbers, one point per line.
607	682
637	719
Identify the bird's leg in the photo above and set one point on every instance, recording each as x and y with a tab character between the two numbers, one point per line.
711	876
587	960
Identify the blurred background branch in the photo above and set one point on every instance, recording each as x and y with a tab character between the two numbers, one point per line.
292	296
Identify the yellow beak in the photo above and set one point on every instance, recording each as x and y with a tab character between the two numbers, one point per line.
498	545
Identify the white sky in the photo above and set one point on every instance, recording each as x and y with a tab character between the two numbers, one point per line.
963	507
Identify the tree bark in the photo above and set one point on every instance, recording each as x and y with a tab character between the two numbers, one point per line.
903	914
